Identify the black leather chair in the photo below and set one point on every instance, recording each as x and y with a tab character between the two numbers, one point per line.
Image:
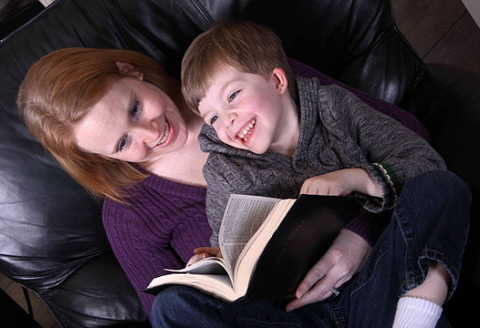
51	236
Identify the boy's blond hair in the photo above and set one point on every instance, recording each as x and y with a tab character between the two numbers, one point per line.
244	45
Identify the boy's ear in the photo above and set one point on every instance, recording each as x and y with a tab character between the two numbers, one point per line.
128	69
280	80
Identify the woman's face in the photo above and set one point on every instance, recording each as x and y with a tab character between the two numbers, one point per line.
135	121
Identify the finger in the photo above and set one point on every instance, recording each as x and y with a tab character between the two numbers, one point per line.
305	188
212	251
199	250
321	291
313	276
196	258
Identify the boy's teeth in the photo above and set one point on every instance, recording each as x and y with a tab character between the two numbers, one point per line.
246	129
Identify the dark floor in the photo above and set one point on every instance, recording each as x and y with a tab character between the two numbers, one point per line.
40	312
441	31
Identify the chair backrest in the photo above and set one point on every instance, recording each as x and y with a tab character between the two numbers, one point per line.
356	42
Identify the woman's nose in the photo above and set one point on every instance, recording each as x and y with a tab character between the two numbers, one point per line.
149	132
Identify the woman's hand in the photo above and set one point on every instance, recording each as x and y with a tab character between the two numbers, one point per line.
204	252
342	182
343	259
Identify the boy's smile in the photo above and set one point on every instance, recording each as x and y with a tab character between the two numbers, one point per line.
249	111
246	132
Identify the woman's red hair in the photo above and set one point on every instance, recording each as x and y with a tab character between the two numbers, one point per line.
60	89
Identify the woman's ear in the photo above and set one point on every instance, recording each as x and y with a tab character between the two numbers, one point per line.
280	80
128	69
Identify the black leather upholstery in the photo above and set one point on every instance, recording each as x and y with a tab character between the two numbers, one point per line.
51	235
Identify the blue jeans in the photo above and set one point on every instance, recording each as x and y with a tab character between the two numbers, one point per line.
430	223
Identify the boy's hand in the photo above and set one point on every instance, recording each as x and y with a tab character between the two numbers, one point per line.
204	252
342	182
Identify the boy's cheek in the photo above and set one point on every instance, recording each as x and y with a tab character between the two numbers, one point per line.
222	134
225	138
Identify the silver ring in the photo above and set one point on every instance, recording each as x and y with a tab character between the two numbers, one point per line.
335	291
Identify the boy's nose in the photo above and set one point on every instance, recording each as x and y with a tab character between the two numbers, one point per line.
229	119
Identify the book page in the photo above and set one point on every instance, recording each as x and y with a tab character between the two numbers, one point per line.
243	216
219	285
209	265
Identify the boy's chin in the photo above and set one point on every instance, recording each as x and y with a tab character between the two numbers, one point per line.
258	151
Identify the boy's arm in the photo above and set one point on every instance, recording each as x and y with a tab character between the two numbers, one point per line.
218	193
395	153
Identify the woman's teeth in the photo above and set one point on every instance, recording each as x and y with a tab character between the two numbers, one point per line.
246	129
166	134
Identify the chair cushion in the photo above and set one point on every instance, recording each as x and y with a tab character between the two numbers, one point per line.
98	294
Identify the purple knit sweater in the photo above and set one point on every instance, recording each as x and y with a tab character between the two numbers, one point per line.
162	225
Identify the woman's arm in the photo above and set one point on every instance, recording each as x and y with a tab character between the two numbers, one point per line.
142	254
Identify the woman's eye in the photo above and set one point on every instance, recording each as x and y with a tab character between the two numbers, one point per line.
213	119
135	110
122	144
233	96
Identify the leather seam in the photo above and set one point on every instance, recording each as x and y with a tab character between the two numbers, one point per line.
203	11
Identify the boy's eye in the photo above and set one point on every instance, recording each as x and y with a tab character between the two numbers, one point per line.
233	96
122	144
213	119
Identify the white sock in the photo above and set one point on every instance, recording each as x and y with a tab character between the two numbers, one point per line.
415	312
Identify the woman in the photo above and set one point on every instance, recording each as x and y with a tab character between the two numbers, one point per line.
118	124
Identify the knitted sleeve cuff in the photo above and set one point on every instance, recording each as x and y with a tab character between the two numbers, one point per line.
369	225
385	176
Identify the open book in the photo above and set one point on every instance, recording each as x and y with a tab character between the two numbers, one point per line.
268	245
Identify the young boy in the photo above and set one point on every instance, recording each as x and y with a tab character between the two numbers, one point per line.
273	140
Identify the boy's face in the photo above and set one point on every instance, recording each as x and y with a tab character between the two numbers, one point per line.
251	112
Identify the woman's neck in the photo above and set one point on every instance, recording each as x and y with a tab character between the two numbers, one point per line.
186	164
194	124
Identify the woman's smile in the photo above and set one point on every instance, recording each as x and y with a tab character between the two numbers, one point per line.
167	137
